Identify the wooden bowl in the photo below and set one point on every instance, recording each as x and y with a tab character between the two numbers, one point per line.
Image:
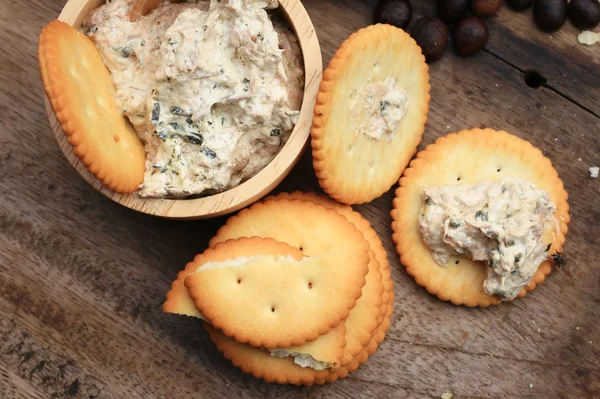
251	190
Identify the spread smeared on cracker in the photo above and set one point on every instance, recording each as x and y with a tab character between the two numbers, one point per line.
370	113
467	158
379	108
500	223
80	91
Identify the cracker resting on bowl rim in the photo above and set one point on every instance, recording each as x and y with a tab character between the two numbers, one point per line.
80	91
470	157
370	114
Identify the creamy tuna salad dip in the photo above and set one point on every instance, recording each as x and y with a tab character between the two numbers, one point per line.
500	223
213	89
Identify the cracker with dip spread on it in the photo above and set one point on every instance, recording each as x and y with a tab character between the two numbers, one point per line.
80	92
213	89
478	216
370	113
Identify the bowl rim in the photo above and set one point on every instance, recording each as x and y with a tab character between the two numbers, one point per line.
252	189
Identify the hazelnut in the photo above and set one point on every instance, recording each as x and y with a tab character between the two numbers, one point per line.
584	14
394	12
519	5
431	35
485	8
550	15
451	11
470	35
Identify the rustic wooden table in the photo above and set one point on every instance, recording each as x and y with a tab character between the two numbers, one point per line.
82	279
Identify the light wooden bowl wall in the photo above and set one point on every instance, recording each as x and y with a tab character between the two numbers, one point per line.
253	189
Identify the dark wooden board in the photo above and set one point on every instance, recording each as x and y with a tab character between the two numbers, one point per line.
82	279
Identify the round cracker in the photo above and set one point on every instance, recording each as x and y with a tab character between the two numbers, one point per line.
367	315
471	157
276	301
354	168
80	91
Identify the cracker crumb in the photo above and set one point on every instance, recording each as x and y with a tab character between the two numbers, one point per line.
555	139
530	386
577	328
539	330
579	159
588	38
446	395
594	172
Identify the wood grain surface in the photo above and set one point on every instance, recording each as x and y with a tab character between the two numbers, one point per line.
82	278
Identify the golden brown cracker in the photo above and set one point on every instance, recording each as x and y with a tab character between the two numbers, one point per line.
353	167
80	91
312	228
178	300
470	156
275	301
367	315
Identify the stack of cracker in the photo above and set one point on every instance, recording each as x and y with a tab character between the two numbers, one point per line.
295	290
